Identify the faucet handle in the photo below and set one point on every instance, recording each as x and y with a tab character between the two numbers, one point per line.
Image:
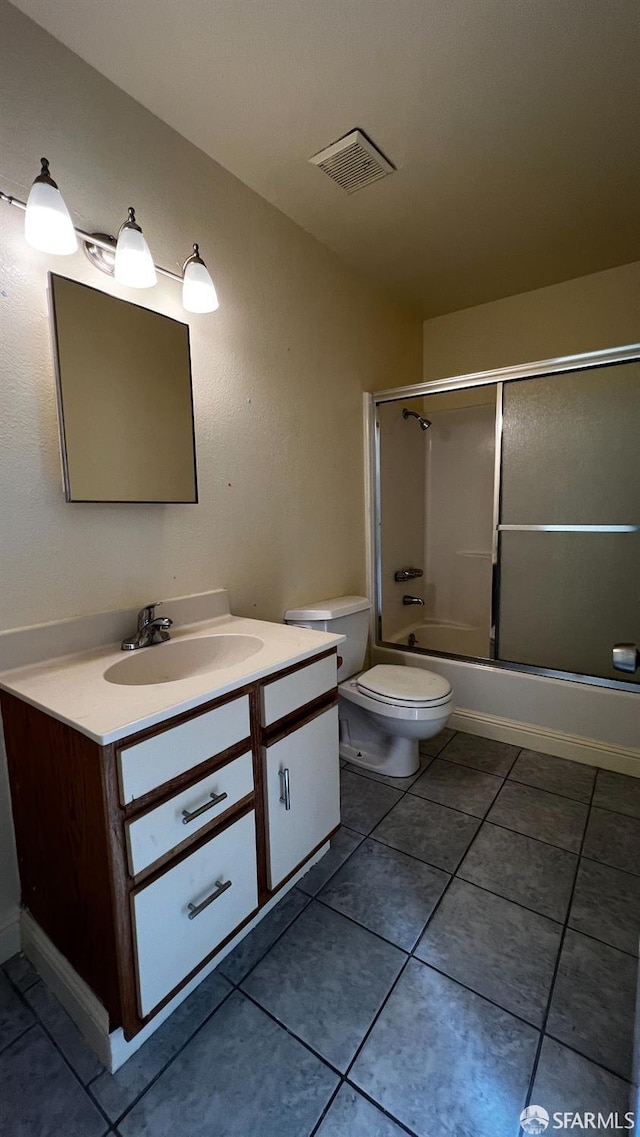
146	614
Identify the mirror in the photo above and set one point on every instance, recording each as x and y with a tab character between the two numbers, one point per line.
124	399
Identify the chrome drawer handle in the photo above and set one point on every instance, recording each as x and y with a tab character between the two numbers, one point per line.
285	795
196	909
215	800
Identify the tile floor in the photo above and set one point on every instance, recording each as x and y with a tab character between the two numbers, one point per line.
468	945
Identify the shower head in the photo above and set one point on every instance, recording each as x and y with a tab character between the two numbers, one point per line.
425	423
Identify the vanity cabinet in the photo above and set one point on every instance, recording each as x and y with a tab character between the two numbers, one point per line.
141	860
301	769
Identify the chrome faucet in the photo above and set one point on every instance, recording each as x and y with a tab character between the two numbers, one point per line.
412	600
407	574
152	629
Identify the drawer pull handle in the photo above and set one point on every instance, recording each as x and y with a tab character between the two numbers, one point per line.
285	795
215	800
196	909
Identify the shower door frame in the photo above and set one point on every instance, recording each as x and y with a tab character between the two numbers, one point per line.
498	377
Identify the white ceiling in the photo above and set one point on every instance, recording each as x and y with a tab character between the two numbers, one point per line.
514	124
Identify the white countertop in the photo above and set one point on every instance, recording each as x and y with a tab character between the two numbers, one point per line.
73	689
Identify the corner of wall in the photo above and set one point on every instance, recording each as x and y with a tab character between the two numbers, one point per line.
588	313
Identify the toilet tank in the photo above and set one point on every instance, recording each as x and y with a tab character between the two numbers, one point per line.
344	616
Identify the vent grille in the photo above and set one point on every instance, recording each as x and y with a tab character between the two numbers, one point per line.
353	162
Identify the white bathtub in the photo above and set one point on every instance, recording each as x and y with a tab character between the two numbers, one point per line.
447	636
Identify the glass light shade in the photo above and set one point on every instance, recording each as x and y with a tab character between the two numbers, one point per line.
47	224
198	290
134	264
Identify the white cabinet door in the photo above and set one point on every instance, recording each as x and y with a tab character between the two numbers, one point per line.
303	792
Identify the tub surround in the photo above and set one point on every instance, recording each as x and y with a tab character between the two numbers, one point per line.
443	635
594	725
157	823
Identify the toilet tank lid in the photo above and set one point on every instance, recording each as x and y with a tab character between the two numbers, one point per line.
331	609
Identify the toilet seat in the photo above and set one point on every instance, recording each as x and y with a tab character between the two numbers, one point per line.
404	686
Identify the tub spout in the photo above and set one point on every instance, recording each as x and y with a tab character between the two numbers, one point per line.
412	600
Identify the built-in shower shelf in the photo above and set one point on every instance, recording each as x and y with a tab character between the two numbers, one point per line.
474	553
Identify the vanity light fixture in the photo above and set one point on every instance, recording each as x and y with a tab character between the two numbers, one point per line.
198	290
47	223
49	228
133	264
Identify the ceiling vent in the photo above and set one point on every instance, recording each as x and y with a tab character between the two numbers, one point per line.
353	162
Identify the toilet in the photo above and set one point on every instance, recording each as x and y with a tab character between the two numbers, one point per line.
386	711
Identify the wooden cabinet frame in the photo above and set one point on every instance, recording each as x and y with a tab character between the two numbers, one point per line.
70	834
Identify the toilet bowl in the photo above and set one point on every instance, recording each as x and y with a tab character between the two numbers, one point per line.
386	711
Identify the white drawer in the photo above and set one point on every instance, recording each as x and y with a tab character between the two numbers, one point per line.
171	940
285	695
164	828
148	764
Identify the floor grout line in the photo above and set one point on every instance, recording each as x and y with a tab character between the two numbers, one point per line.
479	770
452	877
170	1061
327	1107
544	790
344	1078
367	1033
21	990
288	1030
396	1120
433	912
484	819
236	983
588	1058
556	969
48	1034
478	994
358	924
607	864
21	1034
564	924
313	895
549	844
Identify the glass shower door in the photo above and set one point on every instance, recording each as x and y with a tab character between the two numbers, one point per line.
436	520
569	532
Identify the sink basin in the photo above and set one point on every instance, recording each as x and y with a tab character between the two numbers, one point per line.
182	659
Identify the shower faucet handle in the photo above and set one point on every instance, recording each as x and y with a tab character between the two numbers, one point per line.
407	574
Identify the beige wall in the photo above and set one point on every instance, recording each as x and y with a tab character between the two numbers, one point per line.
278	372
586	314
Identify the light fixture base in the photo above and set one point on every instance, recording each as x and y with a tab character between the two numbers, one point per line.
101	257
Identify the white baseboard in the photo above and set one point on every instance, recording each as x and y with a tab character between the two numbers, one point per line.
532	737
9	935
86	1010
